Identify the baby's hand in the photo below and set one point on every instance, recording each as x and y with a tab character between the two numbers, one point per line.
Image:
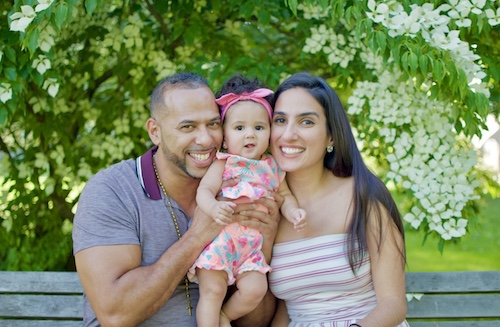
222	211
299	219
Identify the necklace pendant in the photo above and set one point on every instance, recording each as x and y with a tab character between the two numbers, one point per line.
189	309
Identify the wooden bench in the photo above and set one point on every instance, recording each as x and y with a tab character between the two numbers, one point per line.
454	299
450	299
40	299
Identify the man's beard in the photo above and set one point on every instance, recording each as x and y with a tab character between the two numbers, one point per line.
176	160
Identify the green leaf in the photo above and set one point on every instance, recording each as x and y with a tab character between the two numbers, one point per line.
292	4
348	14
3	116
483	108
423	61
441	245
264	16
413	63
324	3
381	40
438	71
395	53
33	40
10	53
11	73
404	61
90	5
61	13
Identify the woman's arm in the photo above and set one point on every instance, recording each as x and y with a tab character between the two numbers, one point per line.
388	273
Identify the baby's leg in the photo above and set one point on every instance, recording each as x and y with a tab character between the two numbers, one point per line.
213	288
252	286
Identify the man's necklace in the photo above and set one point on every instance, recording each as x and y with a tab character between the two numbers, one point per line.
174	218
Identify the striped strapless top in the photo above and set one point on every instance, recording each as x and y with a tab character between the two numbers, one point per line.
315	279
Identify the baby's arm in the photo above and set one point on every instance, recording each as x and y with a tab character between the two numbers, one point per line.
210	184
290	208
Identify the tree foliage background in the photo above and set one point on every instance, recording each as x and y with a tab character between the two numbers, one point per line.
75	80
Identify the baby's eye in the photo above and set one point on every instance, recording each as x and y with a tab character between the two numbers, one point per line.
239	128
259	128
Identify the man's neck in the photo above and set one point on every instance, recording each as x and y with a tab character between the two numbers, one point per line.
180	188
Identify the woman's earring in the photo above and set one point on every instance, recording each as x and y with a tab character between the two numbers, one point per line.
329	149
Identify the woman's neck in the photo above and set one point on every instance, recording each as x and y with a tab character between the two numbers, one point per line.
306	183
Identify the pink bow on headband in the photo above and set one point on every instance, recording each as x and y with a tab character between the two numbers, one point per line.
227	100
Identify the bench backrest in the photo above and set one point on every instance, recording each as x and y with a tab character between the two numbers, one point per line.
55	299
473	295
40	299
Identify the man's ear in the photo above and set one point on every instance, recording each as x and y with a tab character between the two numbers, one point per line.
154	130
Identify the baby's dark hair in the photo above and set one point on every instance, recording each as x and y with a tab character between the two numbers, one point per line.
238	84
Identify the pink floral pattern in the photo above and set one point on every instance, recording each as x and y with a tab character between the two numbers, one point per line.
237	248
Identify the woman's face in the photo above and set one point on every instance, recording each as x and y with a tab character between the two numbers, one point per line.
299	134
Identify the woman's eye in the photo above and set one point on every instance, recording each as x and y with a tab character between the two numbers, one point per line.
279	120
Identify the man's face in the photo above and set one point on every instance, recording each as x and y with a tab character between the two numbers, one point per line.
190	131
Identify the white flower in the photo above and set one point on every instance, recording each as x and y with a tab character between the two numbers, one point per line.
21	20
51	86
5	92
493	17
46	40
43	4
317	40
379	12
477	5
42	64
455	228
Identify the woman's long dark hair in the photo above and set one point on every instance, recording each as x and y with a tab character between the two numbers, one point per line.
370	194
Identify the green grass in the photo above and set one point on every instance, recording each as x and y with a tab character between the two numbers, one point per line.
478	250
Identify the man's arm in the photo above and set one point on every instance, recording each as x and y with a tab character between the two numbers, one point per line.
121	292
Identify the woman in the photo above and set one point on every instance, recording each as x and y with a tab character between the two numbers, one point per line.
347	267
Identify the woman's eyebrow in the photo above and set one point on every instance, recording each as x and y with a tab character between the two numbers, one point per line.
308	113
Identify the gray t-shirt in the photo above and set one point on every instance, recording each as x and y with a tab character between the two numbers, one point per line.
123	205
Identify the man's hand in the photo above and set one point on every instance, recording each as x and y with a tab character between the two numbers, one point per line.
204	227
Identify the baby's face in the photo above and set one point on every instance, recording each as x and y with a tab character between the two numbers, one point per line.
247	129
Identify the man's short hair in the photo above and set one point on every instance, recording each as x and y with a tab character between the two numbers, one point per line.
184	80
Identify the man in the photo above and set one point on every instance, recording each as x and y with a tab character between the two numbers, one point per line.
131	239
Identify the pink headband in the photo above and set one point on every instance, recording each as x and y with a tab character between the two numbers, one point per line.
227	100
